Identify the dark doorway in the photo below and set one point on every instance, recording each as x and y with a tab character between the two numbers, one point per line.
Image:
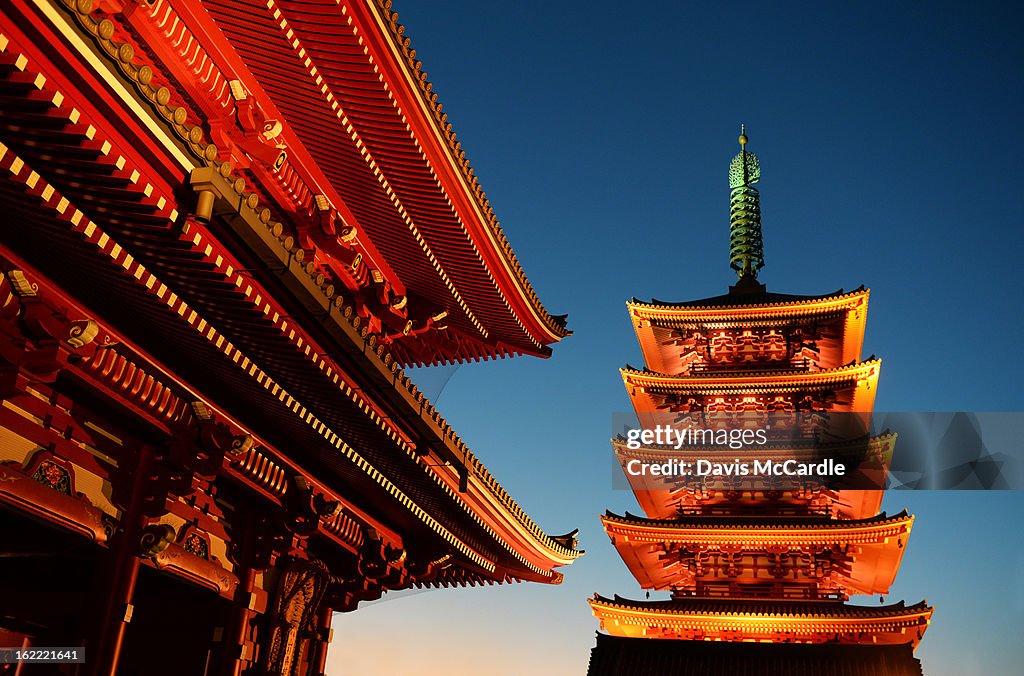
176	628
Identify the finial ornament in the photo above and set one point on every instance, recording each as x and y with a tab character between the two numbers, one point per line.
746	250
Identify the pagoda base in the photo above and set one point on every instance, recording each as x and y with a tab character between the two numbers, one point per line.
618	656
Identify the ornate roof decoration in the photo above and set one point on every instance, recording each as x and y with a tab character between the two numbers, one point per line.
746	250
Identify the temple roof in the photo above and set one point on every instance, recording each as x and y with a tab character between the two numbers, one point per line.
763	607
745	301
761	379
400	38
270	347
763	620
778	527
352	93
360	137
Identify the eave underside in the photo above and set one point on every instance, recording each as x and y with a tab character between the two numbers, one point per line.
218	376
58	244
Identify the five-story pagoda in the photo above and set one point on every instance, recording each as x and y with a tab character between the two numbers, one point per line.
759	572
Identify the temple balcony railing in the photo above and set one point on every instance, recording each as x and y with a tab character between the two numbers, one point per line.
711	369
787	592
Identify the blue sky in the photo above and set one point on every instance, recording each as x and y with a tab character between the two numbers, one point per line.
602	134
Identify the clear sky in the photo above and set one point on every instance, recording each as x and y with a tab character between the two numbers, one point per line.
602	133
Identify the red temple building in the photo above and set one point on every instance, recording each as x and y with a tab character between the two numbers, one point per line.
759	575
228	226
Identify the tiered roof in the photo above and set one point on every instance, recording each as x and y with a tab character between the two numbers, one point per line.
753	559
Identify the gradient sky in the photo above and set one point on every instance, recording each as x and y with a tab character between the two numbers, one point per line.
602	133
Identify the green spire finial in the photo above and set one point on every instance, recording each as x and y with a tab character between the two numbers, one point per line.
746	250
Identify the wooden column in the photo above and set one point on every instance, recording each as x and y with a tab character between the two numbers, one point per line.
320	644
116	608
237	646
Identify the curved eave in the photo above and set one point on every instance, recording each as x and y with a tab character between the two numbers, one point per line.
777	530
858	383
855	624
531	546
767	381
681	314
486	231
760	608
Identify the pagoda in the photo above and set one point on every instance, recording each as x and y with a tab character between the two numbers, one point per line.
759	574
228	228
